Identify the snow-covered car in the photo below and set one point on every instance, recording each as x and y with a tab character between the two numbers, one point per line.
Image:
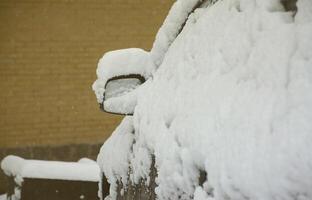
220	108
50	180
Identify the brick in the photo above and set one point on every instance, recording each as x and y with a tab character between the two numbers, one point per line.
48	55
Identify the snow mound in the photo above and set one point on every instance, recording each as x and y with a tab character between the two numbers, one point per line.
232	96
3	197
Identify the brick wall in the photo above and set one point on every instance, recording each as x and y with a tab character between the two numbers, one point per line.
48	55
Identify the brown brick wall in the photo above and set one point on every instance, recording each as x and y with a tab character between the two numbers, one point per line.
48	55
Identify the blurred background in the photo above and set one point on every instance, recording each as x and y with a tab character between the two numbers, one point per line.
49	51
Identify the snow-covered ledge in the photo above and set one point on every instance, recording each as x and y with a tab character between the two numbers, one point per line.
20	168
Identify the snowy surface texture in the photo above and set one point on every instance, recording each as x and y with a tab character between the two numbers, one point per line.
121	62
114	156
231	97
19	168
171	28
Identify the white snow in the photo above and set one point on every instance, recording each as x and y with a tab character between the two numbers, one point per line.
171	28
3	197
233	97
20	168
121	62
87	161
114	156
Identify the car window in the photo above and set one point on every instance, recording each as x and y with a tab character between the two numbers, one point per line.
173	26
200	4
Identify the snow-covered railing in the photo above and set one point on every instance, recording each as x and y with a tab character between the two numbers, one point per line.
84	173
21	168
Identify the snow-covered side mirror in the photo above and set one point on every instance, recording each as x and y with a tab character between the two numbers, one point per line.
117	89
120	73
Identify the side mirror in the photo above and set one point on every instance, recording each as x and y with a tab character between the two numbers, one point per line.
119	74
118	97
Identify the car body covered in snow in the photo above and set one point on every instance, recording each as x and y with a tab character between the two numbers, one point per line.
220	108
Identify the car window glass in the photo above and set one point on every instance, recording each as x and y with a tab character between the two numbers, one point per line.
173	25
201	4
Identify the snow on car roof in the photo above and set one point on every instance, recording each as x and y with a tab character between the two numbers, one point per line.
20	168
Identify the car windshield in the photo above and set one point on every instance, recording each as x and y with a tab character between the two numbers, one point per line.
200	4
173	25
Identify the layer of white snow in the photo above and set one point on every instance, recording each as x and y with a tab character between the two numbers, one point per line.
114	156
20	168
171	28
173	25
3	197
231	97
87	161
121	62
